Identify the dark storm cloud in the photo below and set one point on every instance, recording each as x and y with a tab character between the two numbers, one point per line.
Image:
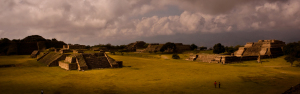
111	21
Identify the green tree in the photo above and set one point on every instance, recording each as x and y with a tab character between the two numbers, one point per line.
175	56
203	48
122	50
193	47
168	46
53	40
4	45
218	48
292	50
112	52
108	46
229	49
237	47
145	45
13	49
290	59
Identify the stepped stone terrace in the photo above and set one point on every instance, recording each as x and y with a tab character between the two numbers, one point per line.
251	51
77	59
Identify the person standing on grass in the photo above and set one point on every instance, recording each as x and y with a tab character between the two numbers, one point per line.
42	92
215	84
219	84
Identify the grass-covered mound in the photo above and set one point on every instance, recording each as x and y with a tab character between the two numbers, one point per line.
149	75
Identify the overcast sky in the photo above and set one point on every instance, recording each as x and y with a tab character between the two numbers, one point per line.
203	22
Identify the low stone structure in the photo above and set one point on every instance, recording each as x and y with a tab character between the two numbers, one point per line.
76	60
52	58
74	46
34	54
136	45
84	61
77	51
153	47
64	51
263	47
99	48
69	63
251	51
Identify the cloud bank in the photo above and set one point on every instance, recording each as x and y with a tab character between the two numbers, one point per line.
83	21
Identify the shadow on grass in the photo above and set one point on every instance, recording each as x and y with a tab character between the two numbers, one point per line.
7	65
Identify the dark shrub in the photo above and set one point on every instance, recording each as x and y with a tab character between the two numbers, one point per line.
175	56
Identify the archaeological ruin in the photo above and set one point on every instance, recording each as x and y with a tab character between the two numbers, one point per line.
251	51
136	45
76	46
74	58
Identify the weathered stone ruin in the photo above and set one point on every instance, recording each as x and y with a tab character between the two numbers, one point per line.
76	46
135	46
51	58
34	54
251	51
153	47
65	50
262	47
78	60
70	63
77	51
99	48
84	61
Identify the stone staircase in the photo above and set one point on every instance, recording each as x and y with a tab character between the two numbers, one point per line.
51	59
96	61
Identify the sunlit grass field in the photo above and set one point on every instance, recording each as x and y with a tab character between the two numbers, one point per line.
151	74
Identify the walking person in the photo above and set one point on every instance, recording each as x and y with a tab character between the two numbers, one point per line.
215	84
219	84
42	92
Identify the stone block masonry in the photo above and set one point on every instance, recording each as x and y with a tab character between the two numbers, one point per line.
251	51
67	65
34	54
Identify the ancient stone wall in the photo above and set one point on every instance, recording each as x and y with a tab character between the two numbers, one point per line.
153	47
136	45
64	51
81	62
52	59
34	54
77	51
42	55
240	51
58	57
67	65
73	46
223	59
96	60
112	62
70	59
262	47
207	57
